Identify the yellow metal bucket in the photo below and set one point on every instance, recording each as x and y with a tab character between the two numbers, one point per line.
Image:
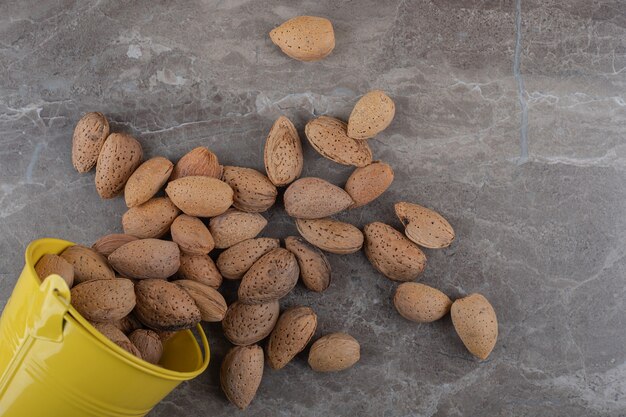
54	363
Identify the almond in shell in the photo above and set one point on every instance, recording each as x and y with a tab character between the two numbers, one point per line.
148	343
146	258
245	324
88	264
329	137
254	192
334	352
241	373
371	115
210	302
89	135
392	254
420	303
147	180
476	324
293	331
151	219
235	226
270	278
199	268
119	157
200	196
314	267
104	300
282	155
108	243
163	305
305	38
331	235
192	236
424	226
315	198
235	261
197	162
368	183
116	336
53	264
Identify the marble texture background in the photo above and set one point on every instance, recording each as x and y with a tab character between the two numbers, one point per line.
511	121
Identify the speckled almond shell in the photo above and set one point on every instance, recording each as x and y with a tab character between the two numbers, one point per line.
200	196
293	331
192	236
334	352
368	183
392	254
200	268
148	343
108	243
254	192
270	278
245	324
329	137
420	303
146	258
283	153
314	267
476	324
198	162
241	373
235	226
371	115
424	226
305	38
88	264
89	135
116	336
235	261
331	235
147	180
53	264
119	157
151	219
163	305
104	300
315	198
128	324
210	302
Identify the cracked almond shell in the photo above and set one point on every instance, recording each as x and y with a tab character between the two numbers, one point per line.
200	196
282	154
235	226
89	135
104	300
331	235
235	261
420	303
241	373
87	263
314	267
371	115
152	219
329	138
119	157
305	38
163	305
253	191
270	278
245	324
476	324
368	183
146	258
147	180
315	198
293	331
424	226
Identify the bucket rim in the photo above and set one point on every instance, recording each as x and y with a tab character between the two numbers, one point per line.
124	355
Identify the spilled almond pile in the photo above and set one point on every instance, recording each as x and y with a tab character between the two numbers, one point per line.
158	277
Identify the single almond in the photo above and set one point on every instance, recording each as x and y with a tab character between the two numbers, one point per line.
334	352
254	192
200	196
119	157
305	38
293	331
50	264
331	235
148	343
197	162
147	180
146	258
235	226
241	373
270	278
116	336
368	183
329	137
314	198
282	154
371	115
314	267
108	243
246	324
104	300
151	219
476	324
89	135
392	254
235	261
424	226
163	305
420	303
210	302
192	236
199	268
87	263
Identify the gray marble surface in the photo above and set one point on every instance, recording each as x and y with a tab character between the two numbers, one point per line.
511	121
